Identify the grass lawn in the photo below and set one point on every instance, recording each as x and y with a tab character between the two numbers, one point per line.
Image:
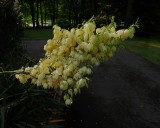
37	34
147	48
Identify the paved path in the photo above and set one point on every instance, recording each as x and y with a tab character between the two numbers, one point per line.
124	93
35	48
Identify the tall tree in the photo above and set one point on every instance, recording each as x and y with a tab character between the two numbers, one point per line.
129	9
56	9
32	11
41	13
37	16
45	12
53	14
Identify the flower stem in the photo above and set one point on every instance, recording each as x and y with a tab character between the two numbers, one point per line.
13	72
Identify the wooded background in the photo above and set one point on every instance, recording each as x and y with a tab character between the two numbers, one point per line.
69	13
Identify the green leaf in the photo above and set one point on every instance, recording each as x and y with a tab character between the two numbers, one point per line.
2	117
6	90
20	126
28	125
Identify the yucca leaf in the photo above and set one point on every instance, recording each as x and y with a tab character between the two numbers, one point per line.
2	117
28	125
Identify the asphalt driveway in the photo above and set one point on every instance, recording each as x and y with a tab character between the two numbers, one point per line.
124	92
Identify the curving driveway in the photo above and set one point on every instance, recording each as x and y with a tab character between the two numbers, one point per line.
35	48
123	93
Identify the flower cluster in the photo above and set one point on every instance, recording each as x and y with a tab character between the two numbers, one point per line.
70	56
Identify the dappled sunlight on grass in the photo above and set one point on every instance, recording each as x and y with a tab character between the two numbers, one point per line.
148	44
147	48
155	45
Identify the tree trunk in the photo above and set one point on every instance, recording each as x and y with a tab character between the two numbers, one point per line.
37	19
95	4
129	9
69	11
45	13
75	11
53	11
56	8
41	13
31	4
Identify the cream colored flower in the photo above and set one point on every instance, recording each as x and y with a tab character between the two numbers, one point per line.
77	76
41	77
89	71
63	85
70	81
98	30
33	72
68	102
22	78
119	33
70	54
81	83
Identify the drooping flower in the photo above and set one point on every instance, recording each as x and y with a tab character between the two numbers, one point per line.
70	55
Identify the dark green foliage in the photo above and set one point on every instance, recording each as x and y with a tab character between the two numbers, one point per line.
64	23
76	11
25	106
9	29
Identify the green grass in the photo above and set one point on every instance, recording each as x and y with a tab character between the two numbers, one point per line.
147	48
37	34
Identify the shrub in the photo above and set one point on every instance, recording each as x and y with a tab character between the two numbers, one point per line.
20	106
9	29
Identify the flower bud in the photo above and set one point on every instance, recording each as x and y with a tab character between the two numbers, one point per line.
41	76
70	81
64	85
33	72
68	102
89	71
93	39
75	91
81	83
77	76
119	33
66	96
98	30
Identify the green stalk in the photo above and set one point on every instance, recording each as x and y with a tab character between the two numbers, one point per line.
13	72
2	115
